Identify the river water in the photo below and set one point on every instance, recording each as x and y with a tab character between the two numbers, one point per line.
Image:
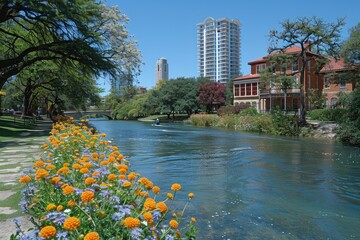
248	186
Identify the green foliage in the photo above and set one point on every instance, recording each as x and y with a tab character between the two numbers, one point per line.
87	32
132	109
349	131
337	115
204	120
284	124
225	110
248	111
315	98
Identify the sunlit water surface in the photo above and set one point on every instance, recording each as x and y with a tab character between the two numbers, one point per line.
248	186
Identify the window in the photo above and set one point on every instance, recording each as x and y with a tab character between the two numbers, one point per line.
246	89
242	90
342	83
283	68
254	88
295	66
237	90
260	68
326	83
296	82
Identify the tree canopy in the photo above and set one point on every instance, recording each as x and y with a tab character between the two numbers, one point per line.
83	31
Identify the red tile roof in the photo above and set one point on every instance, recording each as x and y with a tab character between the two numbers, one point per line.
291	50
334	66
248	76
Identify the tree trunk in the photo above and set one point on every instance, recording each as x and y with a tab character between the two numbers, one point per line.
26	100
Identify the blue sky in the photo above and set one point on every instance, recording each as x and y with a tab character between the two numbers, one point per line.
167	28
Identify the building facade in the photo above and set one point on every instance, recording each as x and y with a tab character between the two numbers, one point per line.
219	49
250	90
162	70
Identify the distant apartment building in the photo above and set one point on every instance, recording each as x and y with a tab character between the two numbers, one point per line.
219	49
162	70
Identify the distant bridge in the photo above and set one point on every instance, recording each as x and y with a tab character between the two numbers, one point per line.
79	114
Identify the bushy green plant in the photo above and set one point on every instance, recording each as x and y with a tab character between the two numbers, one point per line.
204	120
249	111
328	114
284	124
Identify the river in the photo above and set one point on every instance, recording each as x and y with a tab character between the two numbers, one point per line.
248	186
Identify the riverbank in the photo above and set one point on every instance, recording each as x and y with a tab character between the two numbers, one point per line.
19	145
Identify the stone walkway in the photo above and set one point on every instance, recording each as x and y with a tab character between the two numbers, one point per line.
15	155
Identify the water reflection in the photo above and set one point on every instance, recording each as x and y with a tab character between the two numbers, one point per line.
249	186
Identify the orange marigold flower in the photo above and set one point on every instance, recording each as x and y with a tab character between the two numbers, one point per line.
95	155
131	222
104	163
92	236
95	173
149	204
90	180
66	164
175	187
68	190
41	173
144	180
156	189
50	167
149	185
111	177
71	223
88	165
59	208
76	166
178	234
148	217
39	163
47	232
131	177
63	170
122	166
71	203
50	207
87	196
193	219
122	177
25	179
84	170
173	224
170	196
162	207
191	195
126	184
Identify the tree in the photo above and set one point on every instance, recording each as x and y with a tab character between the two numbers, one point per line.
351	52
83	31
324	38
211	94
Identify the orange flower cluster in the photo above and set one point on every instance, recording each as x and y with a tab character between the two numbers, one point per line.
87	184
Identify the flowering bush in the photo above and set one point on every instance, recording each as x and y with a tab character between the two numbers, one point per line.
81	187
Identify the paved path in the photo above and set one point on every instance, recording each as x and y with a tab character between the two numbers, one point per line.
15	155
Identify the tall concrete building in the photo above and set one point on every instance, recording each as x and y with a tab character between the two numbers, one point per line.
219	49
162	70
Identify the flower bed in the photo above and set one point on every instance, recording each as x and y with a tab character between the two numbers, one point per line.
81	187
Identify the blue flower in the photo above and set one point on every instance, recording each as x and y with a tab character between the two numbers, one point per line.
117	216
136	233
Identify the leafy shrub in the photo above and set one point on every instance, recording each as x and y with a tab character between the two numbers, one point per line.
249	111
284	124
328	114
226	110
83	188
204	120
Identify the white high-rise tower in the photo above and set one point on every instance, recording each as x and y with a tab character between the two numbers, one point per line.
162	70
219	49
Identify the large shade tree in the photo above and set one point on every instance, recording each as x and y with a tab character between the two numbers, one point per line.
324	38
86	32
212	94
